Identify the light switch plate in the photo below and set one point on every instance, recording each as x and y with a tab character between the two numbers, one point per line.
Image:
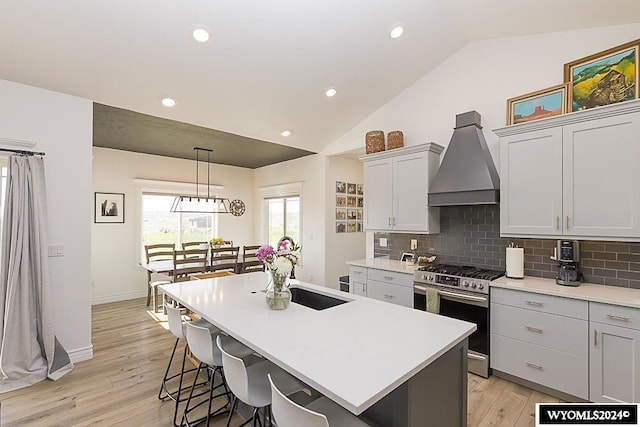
383	242
414	244
56	250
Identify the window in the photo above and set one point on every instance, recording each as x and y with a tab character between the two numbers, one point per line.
283	218
159	225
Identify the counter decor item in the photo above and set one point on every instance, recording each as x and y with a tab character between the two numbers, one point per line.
395	139
514	262
279	262
374	141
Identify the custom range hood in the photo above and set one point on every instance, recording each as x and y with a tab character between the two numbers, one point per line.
467	174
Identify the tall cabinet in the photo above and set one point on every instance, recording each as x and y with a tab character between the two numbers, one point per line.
574	175
397	182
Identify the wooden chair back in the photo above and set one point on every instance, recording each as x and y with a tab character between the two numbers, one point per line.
225	258
195	245
158	252
249	259
188	262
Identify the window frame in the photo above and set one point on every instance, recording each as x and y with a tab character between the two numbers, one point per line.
293	189
165	188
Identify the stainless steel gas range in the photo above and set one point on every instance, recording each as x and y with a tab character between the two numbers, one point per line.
464	295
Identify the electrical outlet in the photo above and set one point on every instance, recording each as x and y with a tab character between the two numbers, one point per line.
383	242
414	244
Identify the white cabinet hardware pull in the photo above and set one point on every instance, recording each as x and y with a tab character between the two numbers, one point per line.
388	277
394	220
532	329
595	338
389	296
534	365
357	272
558	222
536	303
567	221
621	318
389	221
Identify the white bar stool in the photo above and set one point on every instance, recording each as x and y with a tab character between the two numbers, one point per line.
203	346
177	327
251	384
321	412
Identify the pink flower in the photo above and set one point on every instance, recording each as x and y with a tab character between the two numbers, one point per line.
264	252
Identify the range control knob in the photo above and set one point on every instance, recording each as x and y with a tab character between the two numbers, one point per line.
424	277
465	283
473	285
480	286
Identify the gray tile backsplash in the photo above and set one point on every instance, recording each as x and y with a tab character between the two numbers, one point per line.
470	235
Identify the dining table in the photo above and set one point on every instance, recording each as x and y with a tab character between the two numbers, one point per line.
388	364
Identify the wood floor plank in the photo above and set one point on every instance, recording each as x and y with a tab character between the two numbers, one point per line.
132	346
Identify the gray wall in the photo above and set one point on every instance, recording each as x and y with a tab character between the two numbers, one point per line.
470	235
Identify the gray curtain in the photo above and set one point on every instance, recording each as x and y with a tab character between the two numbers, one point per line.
29	350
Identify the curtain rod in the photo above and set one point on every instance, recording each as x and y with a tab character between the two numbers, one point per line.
24	152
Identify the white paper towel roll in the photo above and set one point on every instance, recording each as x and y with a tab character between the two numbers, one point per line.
515	263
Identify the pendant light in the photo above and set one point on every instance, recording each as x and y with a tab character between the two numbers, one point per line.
202	204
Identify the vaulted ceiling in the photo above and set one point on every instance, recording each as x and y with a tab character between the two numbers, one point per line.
266	66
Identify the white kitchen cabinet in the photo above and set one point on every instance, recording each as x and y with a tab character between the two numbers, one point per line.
573	175
614	361
396	184
358	280
541	338
383	285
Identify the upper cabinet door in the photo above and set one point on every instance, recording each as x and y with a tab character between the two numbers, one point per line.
378	199
410	192
531	183
601	178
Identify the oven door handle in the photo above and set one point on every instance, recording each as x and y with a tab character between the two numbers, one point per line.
463	296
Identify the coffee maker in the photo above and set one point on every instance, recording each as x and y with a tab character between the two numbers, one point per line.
567	255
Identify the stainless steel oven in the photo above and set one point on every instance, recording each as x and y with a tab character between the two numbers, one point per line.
464	295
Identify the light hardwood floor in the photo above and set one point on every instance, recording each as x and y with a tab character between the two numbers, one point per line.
119	386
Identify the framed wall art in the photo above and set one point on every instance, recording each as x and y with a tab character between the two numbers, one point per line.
606	77
536	105
108	208
341	186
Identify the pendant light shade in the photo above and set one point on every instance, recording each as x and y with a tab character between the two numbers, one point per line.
201	203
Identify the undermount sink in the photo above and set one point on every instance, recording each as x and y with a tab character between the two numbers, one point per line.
314	300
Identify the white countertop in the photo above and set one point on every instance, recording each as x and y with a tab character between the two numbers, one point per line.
586	291
354	353
385	264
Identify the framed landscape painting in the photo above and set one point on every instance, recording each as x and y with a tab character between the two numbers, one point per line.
536	105
603	78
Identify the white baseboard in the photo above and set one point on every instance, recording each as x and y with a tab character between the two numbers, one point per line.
81	354
118	297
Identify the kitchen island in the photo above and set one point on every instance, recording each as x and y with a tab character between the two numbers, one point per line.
391	365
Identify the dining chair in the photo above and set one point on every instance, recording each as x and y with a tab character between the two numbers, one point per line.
250	261
177	326
250	384
157	252
225	259
322	412
203	345
188	262
195	245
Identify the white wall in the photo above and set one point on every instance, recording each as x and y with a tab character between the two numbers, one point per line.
340	247
309	170
482	76
61	125
115	171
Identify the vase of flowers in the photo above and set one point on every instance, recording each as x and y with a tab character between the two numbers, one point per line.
279	262
216	242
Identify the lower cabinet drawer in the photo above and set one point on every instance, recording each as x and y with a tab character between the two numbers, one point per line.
561	333
555	369
395	294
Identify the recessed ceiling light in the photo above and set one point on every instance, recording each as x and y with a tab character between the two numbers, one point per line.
396	32
168	102
286	132
330	92
201	35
